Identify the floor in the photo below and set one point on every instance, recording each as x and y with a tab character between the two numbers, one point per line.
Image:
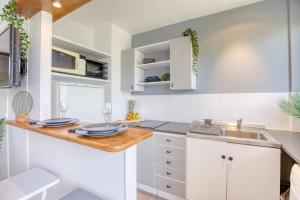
147	196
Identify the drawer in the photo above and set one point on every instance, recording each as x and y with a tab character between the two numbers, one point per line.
170	186
170	173
170	162
169	151
169	140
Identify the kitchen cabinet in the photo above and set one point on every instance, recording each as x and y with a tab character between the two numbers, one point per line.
130	75
181	74
162	165
173	57
225	171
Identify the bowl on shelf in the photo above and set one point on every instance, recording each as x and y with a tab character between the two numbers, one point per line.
148	60
152	79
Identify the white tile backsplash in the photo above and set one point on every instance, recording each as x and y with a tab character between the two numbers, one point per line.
257	108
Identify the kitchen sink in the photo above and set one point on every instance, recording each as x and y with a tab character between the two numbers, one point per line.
244	134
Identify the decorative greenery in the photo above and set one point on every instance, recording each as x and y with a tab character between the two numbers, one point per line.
292	105
165	77
131	104
13	18
2	130
195	45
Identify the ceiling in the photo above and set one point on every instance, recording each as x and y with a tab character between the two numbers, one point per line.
136	16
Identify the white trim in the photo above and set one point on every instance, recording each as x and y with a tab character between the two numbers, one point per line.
148	189
169	196
130	173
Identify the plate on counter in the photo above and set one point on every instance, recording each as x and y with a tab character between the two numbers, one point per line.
57	123
102	127
108	133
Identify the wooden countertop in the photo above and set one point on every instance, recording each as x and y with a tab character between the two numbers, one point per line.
110	144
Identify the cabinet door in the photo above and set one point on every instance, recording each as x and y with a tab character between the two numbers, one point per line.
130	75
145	162
181	60
206	169
253	173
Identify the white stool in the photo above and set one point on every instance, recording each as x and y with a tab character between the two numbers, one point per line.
80	194
28	184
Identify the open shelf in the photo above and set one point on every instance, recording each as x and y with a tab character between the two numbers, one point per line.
155	65
73	78
78	48
152	48
154	83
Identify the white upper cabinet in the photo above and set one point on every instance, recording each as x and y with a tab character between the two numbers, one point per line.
173	57
182	76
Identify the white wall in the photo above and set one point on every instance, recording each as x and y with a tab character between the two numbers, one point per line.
257	108
121	40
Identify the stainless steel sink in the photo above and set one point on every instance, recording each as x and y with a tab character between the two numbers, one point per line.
244	134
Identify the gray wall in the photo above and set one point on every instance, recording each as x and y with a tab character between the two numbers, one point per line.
295	43
241	50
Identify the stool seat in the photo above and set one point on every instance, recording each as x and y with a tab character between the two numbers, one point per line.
27	184
80	194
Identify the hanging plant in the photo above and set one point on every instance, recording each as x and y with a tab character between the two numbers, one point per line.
9	14
195	46
2	130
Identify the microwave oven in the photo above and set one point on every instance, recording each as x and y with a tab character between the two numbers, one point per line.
68	62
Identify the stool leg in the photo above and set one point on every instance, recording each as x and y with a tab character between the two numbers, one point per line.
44	194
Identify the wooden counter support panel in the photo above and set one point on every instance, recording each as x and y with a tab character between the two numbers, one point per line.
110	144
29	8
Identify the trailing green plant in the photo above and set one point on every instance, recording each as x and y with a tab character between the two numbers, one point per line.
195	45
2	130
291	105
10	14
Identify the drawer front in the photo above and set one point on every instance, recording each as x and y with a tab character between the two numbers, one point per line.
169	140
168	151
173	163
170	186
170	173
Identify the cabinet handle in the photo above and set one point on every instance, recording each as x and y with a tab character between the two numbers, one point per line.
223	157
168	162
172	85
168	140
168	186
131	87
168	152
230	158
168	173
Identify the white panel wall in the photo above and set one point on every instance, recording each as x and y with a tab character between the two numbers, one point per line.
74	31
258	108
121	40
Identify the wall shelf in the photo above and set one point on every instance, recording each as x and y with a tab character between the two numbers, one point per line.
152	48
155	83
78	48
78	79
155	65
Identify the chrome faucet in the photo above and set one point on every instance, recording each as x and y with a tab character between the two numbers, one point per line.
239	123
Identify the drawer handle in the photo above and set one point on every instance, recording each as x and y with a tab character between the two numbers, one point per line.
223	157
230	158
168	140
168	173
168	152
168	162
168	186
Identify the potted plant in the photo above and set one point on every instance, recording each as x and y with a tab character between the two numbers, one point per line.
195	47
2	130
291	105
10	15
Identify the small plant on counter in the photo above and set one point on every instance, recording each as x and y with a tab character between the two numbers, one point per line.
195	45
9	14
131	114
2	130
291	105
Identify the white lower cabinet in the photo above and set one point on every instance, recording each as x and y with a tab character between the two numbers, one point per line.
225	171
162	166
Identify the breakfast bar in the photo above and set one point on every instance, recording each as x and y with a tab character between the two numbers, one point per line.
104	166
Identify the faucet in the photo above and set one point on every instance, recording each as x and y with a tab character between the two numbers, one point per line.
239	123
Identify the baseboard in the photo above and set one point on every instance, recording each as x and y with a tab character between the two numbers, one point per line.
169	196
146	188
